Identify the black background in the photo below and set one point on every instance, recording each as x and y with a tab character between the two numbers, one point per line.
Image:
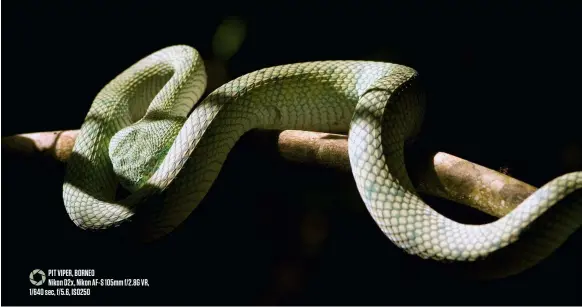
503	92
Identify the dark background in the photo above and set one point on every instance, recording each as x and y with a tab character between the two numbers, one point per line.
503	91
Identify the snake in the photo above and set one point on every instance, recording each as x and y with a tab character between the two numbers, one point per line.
149	133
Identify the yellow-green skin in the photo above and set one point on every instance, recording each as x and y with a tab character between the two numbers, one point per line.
138	133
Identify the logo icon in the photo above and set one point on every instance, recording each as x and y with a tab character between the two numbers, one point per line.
37	277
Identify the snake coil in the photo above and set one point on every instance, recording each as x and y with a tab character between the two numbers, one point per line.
138	133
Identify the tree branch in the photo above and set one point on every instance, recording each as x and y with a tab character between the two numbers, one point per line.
441	174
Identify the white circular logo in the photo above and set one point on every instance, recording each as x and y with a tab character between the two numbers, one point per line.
35	275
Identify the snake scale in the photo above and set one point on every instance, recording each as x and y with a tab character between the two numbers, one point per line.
141	133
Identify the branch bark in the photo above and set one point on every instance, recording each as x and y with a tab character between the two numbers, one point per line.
440	174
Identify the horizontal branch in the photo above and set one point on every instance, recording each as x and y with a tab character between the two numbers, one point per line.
441	174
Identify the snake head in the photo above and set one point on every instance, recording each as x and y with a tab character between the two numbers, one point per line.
137	150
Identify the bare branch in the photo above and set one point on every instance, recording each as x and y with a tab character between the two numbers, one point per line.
441	174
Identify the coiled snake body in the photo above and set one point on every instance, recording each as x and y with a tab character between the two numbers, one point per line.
139	133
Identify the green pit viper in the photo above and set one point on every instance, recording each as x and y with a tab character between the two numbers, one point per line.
142	133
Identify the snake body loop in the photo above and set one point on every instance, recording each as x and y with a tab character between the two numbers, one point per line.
139	133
